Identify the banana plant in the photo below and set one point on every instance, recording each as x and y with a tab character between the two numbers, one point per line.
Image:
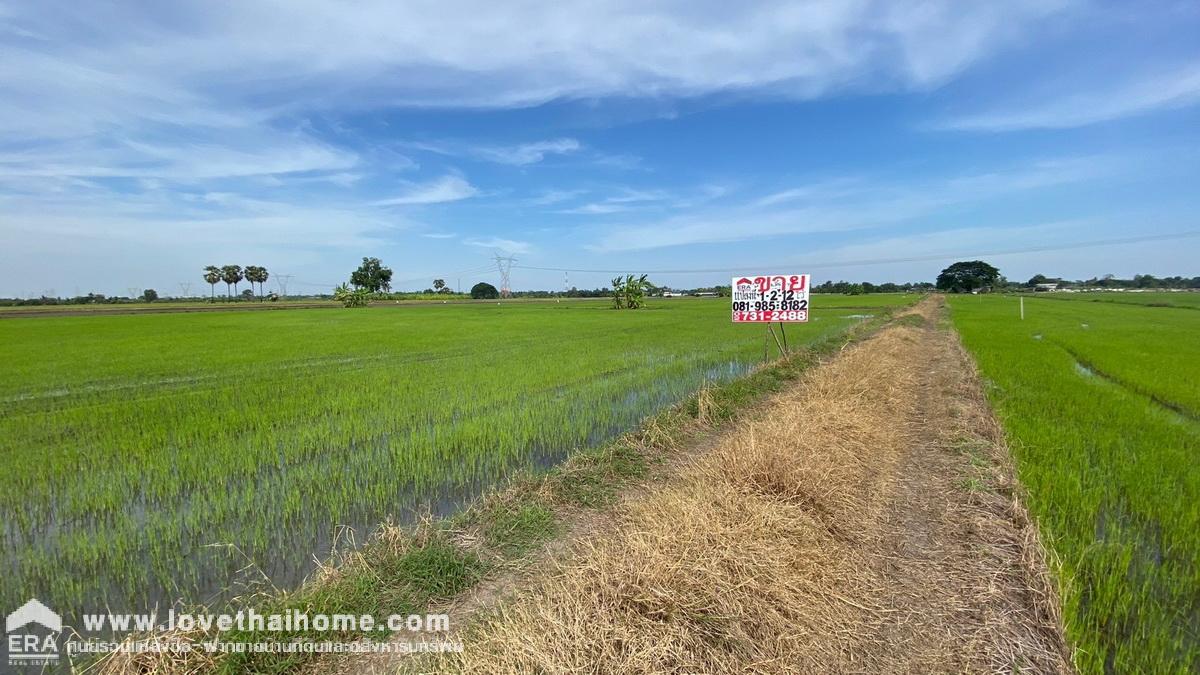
629	292
351	297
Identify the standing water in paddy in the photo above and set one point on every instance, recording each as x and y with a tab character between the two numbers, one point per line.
157	461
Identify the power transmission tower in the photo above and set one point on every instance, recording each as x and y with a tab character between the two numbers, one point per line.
133	292
185	287
282	280
504	264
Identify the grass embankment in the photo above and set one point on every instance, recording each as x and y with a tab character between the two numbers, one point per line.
865	521
1100	405
406	570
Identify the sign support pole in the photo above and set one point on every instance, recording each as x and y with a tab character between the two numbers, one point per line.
771	330
1022	308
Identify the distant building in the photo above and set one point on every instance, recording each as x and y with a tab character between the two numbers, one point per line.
1044	288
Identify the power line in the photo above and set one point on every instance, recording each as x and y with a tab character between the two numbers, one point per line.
432	275
446	275
438	275
884	261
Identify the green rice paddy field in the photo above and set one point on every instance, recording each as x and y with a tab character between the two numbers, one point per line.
153	456
1152	298
1101	405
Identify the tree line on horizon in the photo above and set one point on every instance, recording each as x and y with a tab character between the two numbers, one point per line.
232	275
1144	281
373	280
975	276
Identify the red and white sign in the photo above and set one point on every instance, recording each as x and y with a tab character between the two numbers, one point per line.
767	299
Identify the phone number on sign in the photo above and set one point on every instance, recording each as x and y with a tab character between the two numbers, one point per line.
771	315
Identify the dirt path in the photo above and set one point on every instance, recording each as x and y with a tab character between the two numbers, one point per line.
968	588
869	522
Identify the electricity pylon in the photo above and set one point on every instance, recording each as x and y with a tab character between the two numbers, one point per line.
504	264
281	280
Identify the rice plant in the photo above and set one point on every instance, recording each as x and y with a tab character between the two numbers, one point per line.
155	456
1102	410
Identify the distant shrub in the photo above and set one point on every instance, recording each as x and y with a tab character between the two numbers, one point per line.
484	291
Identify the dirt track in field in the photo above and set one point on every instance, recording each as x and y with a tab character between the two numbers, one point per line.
867	522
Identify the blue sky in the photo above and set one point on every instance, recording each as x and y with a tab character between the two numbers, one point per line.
142	141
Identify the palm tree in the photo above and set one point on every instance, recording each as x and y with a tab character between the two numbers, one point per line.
259	274
212	274
231	275
251	275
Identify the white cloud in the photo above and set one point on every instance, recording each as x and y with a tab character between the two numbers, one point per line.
259	60
824	189
920	255
522	154
628	196
626	200
843	205
596	209
53	236
344	178
439	235
448	188
259	154
554	197
224	219
1140	96
527	153
945	245
507	245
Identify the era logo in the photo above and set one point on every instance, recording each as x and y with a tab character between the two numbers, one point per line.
29	648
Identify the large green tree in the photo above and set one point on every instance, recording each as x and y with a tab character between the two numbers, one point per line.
964	277
484	291
372	276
